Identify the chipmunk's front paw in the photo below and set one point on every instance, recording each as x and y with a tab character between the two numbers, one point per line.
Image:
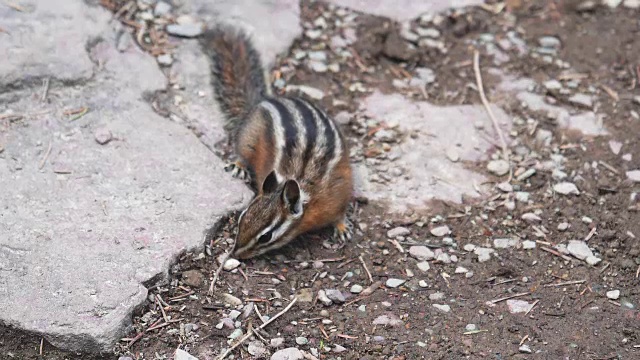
238	171
343	232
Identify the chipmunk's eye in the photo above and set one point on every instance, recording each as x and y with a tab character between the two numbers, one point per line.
266	237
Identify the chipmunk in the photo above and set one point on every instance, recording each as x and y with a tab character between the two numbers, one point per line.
293	155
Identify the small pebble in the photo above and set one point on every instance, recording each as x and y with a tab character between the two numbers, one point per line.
423	266
231	264
440	231
528	244
613	294
356	289
301	340
444	308
185	30
103	136
398	231
525	349
394	283
498	167
566	188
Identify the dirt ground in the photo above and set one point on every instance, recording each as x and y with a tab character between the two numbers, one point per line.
571	316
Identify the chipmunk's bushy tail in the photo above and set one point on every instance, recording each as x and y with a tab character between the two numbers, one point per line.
238	76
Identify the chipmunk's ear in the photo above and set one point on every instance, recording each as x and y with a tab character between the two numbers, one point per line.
270	183
291	196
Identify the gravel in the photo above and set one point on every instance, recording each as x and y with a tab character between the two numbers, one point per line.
579	249
440	231
288	354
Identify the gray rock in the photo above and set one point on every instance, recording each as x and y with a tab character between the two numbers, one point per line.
634	175
436	296
469	247
140	213
631	4
165	60
356	289
183	355
404	10
387	319
428	32
324	299
102	135
318	66
563	226
335	295
531	218
231	300
317	56
522	196
505	187
615	146
231	264
161	9
505	243
528	244
423	266
525	349
288	354
185	30
566	188
613	294
394	283
421	253
398	231
339	348
440	231
553	85
592	260
429	174
549	42
301	340
256	349
498	167
276	342
484	254
582	100
471	327
444	308
579	249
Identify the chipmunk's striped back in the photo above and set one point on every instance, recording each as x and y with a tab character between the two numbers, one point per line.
294	155
308	145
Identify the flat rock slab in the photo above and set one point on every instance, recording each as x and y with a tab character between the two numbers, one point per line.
83	225
403	10
273	25
430	134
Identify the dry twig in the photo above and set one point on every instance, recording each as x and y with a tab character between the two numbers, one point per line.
493	302
483	97
215	276
364	265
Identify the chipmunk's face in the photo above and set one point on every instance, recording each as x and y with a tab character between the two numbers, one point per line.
270	220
